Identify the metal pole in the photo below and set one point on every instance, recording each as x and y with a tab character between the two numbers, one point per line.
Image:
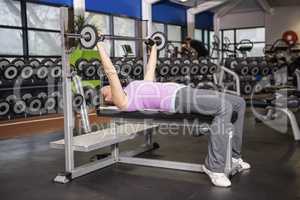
67	95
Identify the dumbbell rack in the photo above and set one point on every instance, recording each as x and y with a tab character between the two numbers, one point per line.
26	86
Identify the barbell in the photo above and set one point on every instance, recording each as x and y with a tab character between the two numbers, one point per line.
88	38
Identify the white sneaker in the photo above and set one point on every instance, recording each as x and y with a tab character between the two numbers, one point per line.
218	179
244	165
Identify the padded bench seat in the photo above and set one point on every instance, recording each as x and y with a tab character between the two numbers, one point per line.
154	115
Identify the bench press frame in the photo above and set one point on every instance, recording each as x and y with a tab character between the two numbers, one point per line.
116	156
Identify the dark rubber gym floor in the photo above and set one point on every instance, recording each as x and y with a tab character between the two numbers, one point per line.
28	166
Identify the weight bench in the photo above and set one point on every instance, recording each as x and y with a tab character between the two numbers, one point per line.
126	126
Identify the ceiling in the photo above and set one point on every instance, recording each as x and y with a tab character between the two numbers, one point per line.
273	3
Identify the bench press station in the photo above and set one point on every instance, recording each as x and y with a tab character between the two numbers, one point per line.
125	126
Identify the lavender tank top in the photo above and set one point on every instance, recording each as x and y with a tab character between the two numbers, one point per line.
151	95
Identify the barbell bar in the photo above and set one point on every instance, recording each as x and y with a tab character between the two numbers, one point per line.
88	38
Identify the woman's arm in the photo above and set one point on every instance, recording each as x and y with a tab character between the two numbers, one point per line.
151	66
118	96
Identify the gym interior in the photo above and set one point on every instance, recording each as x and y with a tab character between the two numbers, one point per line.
61	139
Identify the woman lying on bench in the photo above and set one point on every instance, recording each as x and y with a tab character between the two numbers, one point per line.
173	97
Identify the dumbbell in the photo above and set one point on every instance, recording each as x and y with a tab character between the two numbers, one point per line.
26	72
90	71
58	61
138	71
164	70
77	101
10	72
174	70
203	69
126	70
254	70
3	63
55	71
185	69
265	70
246	88
18	62
4	108
19	107
212	68
35	63
81	63
34	106
42	72
195	69
242	69
48	62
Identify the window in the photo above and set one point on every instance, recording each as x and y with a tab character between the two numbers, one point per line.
10	13
43	17
157	27
256	35
11	41
174	33
10	28
44	43
124	27
198	34
46	40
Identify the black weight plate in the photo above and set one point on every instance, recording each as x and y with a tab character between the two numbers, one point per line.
27	72
4	108
34	63
18	62
81	63
19	107
48	62
42	72
10	72
3	63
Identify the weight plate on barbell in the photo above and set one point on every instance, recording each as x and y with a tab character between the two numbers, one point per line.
160	40
89	37
244	70
4	108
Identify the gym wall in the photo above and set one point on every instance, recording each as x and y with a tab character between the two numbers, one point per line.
283	19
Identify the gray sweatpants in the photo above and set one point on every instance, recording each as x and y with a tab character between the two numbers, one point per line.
221	106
